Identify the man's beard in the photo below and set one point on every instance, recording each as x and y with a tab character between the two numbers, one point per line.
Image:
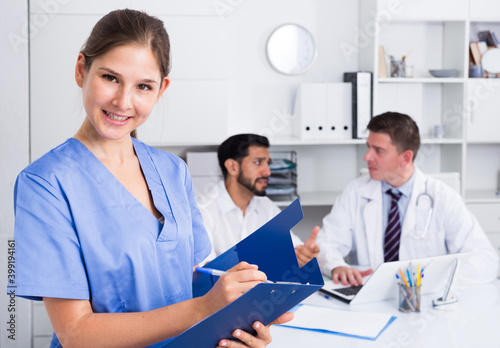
251	187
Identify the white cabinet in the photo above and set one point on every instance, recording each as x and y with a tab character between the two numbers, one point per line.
484	10
488	215
483	121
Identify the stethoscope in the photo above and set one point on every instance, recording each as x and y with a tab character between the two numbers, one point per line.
425	195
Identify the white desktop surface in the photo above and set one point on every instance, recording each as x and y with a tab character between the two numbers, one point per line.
475	323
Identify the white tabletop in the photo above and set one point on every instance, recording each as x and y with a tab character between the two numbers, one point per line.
474	323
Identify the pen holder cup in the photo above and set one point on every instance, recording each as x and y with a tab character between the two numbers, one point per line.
398	68
409	298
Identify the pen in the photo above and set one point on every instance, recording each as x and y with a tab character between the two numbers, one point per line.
409	270
218	273
210	271
403	277
418	275
397	277
406	57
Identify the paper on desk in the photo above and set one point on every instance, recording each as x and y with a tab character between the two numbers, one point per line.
362	325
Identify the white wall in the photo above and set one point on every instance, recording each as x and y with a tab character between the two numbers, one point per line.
14	152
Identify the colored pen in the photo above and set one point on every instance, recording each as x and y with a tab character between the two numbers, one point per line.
409	270
397	277
403	277
218	273
409	277
210	271
418	275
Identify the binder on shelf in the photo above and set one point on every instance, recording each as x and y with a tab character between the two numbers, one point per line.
362	101
310	111
271	248
338	110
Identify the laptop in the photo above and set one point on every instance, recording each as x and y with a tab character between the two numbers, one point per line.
382	283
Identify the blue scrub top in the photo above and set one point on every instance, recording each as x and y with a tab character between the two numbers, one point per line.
80	234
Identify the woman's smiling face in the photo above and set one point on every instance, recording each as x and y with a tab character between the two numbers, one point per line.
120	89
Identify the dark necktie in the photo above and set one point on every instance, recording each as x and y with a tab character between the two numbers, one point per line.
393	230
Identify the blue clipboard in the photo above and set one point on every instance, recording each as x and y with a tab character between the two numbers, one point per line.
271	248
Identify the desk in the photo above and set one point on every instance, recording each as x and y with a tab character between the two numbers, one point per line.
475	323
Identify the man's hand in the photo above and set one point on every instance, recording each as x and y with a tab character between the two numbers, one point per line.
349	276
309	250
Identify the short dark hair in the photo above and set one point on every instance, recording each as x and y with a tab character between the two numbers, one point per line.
401	128
236	147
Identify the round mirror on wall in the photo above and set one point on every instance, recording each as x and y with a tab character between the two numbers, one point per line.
291	49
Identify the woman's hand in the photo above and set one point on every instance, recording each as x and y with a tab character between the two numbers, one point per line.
228	288
232	285
261	338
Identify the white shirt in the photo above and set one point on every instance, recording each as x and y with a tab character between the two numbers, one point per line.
226	225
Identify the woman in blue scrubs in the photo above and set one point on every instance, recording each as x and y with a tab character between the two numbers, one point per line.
107	228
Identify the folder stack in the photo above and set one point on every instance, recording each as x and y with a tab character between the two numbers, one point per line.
282	183
323	111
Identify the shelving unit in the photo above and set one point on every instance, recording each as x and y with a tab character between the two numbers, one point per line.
467	107
482	133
